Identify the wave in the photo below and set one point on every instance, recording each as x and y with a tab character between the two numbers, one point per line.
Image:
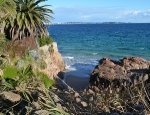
70	68
142	48
94	53
68	57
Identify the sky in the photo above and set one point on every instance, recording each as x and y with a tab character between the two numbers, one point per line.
136	11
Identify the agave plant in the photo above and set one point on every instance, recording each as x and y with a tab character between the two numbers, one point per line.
30	19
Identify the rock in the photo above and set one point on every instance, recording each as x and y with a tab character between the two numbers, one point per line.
76	95
123	71
91	91
36	106
78	100
41	112
34	54
91	99
10	97
84	104
52	58
59	106
20	64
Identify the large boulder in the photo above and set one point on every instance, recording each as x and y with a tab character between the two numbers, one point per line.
52	59
131	69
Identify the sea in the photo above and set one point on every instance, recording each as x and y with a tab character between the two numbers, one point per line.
83	45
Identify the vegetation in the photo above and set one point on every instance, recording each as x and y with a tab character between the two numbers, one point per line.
21	78
7	13
32	85
45	40
30	19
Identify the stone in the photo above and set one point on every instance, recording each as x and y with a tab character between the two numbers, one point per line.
36	106
10	96
59	106
128	69
91	91
53	60
41	112
34	54
76	94
84	104
20	63
91	99
78	100
145	77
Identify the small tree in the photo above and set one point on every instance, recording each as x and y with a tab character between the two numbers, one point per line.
30	19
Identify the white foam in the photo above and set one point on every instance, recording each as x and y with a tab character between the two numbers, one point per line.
68	57
70	68
94	53
141	48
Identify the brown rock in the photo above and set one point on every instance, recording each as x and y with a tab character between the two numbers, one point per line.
11	97
129	68
36	106
78	100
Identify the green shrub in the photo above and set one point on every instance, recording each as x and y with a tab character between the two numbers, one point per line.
45	79
12	76
10	72
45	40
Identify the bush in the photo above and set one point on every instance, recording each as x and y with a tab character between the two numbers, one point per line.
45	40
45	80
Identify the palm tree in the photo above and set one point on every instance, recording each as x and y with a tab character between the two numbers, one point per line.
30	19
7	13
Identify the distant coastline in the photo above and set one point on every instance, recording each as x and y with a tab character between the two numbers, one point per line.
71	23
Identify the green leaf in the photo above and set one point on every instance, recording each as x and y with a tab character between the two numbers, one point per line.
46	80
10	72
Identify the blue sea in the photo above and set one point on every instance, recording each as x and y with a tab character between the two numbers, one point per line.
82	45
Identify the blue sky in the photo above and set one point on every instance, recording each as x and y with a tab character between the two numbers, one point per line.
100	10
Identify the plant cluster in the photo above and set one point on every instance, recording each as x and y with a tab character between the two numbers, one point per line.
31	85
23	18
45	40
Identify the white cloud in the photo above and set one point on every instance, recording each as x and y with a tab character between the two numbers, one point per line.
101	14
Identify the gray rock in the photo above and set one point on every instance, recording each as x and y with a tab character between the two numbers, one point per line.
20	63
34	54
91	99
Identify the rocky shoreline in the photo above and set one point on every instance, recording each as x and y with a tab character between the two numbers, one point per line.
114	87
129	71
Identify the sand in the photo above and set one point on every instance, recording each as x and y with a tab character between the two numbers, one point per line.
77	80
